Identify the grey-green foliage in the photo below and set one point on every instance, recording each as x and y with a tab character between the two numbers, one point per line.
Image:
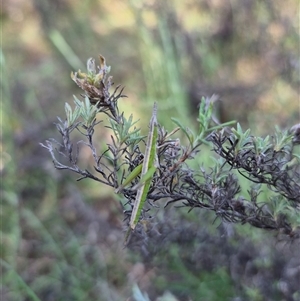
270	162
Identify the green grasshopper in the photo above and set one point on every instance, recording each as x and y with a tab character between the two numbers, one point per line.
147	170
149	167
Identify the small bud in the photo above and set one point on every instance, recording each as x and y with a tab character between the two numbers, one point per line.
295	130
91	65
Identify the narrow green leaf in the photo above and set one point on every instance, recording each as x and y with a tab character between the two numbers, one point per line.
186	131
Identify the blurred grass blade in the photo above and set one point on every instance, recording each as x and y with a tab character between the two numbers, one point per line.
21	283
138	295
61	44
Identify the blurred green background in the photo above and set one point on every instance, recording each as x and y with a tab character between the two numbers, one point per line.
62	239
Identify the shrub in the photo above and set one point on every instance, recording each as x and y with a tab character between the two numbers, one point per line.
162	171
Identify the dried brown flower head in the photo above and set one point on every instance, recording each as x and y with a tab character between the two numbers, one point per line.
94	82
96	86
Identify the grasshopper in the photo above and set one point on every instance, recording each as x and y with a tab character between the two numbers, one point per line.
146	169
149	167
